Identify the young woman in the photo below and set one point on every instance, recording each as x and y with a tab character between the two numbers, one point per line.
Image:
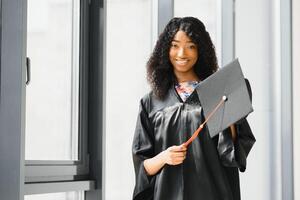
165	169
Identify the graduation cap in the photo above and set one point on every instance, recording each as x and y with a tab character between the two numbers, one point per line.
224	98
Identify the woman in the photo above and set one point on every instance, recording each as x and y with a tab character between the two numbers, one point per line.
165	169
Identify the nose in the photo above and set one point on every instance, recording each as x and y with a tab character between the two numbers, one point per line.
181	52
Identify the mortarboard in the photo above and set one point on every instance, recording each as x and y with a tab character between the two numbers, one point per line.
224	98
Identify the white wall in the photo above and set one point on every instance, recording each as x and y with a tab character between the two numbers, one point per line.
209	12
296	82
258	47
128	48
253	48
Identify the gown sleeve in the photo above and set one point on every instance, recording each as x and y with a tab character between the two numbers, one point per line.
234	153
142	148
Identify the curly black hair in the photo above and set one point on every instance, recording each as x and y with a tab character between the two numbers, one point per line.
160	73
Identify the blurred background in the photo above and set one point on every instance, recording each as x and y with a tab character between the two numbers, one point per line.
87	77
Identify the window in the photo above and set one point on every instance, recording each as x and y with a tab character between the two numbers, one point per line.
79	71
52	97
55	135
61	158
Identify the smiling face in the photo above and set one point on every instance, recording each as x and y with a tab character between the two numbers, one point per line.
183	55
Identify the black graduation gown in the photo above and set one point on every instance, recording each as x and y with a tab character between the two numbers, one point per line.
210	170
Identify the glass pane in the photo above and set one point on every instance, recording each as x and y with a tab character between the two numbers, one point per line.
52	95
57	196
209	12
129	44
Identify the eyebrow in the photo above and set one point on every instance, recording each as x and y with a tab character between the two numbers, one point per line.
179	41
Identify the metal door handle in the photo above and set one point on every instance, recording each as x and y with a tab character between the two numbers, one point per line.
28	72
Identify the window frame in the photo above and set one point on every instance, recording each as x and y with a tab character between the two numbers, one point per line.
12	88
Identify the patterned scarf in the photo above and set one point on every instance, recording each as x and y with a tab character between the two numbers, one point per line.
185	89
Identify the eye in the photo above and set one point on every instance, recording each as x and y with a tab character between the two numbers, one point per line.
192	46
174	45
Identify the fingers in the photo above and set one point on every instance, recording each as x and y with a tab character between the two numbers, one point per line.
179	156
178	148
175	155
177	160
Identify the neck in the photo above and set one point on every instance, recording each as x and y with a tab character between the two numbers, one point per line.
184	77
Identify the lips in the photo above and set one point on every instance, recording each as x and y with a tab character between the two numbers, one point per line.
181	62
